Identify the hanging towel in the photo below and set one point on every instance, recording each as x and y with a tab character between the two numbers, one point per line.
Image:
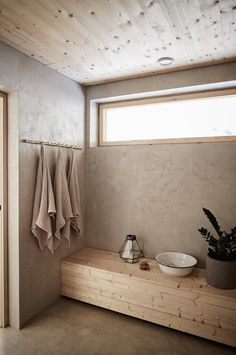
73	183
44	204
62	201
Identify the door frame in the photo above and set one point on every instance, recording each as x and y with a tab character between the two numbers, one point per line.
4	217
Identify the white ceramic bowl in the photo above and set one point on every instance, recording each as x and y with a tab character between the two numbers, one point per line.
176	264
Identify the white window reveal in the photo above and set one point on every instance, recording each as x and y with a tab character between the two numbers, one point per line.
199	117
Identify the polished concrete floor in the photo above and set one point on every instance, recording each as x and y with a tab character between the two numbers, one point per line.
71	327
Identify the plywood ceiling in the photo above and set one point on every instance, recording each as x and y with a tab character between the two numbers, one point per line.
93	41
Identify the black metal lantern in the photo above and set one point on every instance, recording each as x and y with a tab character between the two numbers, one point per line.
130	251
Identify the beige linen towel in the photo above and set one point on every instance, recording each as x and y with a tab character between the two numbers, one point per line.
73	184
44	205
62	201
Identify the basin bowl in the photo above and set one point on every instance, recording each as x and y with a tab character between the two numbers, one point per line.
176	264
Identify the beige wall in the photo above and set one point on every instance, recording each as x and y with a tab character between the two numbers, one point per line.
157	192
51	107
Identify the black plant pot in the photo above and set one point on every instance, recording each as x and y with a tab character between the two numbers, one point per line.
221	274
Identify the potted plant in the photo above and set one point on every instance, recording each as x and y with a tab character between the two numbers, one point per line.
221	258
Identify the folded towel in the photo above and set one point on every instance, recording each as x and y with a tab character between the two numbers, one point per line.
74	191
62	201
44	204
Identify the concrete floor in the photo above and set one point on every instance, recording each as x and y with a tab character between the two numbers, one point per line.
71	327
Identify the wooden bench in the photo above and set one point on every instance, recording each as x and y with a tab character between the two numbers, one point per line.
187	304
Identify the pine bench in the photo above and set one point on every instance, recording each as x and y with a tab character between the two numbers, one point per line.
187	304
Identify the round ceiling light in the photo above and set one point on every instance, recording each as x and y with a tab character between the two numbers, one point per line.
165	61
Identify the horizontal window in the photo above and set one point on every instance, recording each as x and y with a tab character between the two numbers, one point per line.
198	117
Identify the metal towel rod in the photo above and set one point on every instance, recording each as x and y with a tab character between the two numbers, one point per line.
54	144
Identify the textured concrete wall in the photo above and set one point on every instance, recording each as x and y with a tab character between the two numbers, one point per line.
51	107
157	192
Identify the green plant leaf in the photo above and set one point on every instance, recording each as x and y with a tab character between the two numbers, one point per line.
213	221
212	253
209	237
224	247
233	232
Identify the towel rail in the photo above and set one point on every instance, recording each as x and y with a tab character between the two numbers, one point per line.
54	144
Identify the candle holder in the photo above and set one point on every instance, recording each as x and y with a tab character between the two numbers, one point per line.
130	251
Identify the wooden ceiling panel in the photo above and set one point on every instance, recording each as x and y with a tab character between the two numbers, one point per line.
94	41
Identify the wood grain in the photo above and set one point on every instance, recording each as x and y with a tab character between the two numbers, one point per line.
3	212
97	41
187	304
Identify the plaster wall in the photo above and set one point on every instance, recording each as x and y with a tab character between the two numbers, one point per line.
51	107
157	192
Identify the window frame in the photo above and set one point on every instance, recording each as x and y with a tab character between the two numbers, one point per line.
102	107
4	216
